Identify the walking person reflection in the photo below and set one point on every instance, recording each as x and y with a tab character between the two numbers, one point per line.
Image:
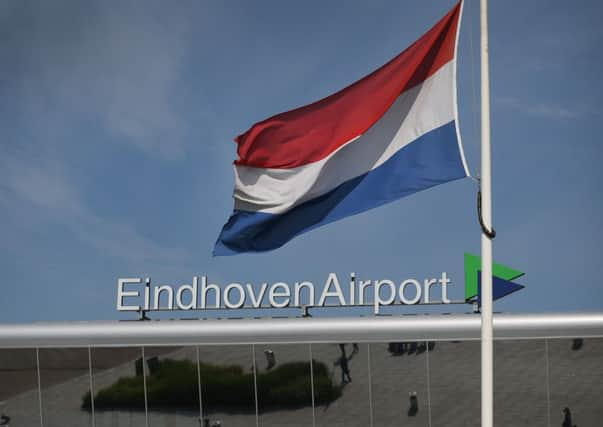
345	369
342	362
414	404
567	418
270	359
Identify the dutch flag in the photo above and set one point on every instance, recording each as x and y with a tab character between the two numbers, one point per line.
391	134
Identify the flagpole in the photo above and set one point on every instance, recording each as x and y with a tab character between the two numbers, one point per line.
486	243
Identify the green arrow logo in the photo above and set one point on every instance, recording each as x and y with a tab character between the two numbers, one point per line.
473	264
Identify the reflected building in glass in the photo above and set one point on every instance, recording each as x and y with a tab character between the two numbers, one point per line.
538	382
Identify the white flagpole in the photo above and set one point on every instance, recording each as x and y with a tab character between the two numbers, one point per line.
486	204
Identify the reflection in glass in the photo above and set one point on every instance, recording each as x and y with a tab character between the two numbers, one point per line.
172	386
118	387
520	397
341	384
227	385
19	387
65	380
576	381
399	383
284	385
455	383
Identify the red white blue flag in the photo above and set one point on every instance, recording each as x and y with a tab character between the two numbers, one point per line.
391	134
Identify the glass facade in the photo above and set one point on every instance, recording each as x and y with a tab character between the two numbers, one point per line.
520	384
576	380
172	386
227	385
64	380
117	387
342	396
284	385
454	383
537	383
399	384
19	398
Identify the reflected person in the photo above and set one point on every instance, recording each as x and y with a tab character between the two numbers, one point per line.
345	369
567	418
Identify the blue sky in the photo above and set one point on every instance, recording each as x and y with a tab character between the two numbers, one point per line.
116	128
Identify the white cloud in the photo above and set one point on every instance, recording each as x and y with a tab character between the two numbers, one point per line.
43	188
543	110
118	64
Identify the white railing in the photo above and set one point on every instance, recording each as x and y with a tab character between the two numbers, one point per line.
298	330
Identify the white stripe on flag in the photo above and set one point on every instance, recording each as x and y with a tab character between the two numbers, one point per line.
415	113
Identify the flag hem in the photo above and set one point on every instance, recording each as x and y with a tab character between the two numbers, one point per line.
454	93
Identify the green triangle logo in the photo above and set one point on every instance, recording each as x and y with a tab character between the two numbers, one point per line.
473	264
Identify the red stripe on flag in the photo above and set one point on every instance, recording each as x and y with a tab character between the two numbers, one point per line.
310	133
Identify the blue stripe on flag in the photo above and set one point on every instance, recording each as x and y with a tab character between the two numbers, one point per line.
430	160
